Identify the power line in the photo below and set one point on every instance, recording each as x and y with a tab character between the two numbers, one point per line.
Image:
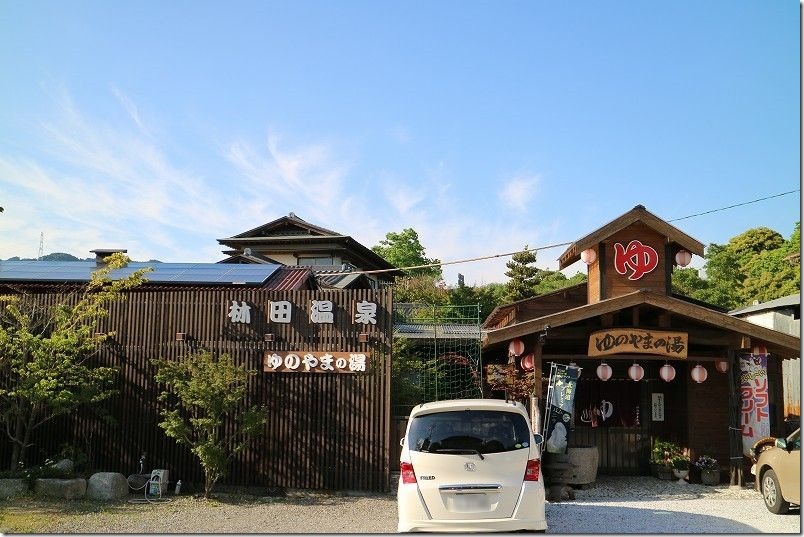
493	256
736	205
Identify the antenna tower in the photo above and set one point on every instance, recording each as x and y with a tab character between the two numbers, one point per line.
41	245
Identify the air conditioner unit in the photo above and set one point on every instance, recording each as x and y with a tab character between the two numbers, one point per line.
157	485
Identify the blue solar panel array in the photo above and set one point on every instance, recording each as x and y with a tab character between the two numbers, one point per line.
177	273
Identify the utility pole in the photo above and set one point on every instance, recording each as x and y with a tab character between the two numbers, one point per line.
41	245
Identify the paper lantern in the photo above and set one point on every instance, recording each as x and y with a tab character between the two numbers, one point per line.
759	349
588	256
516	347
527	362
667	372
699	373
683	258
604	371
635	372
722	366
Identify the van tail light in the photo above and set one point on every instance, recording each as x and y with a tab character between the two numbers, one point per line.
406	472
531	470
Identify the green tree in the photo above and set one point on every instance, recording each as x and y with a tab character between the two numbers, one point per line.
549	280
406	369
420	289
45	369
522	276
757	264
404	250
205	394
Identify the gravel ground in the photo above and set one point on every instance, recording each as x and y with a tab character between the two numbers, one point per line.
610	505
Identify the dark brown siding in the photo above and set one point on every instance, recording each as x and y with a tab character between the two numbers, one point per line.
325	430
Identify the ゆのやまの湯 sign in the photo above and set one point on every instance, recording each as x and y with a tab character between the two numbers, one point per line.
636	341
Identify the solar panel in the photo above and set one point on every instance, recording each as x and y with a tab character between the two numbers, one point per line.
181	273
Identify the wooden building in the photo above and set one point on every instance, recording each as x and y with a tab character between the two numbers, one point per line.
323	357
336	260
627	317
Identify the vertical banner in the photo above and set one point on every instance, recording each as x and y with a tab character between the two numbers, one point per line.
561	396
755	408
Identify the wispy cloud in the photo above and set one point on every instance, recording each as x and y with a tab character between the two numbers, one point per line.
516	193
129	107
103	184
107	185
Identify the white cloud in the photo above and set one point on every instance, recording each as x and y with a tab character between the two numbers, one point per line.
516	193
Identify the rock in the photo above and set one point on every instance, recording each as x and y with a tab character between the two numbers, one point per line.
12	487
557	493
64	465
584	460
107	486
69	489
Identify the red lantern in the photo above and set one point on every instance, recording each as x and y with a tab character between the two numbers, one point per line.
526	362
667	372
604	371
699	373
722	366
516	347
635	372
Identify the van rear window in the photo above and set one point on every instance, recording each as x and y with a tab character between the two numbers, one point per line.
484	431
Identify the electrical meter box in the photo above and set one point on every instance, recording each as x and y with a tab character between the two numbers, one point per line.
157	486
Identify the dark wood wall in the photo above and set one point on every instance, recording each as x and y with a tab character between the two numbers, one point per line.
324	431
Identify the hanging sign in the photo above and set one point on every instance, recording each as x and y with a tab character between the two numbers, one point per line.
314	362
560	404
755	408
636	341
657	406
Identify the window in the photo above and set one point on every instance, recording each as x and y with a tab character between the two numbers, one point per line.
485	431
316	261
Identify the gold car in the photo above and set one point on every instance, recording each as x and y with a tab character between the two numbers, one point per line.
778	472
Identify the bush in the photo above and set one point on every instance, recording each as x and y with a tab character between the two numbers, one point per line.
663	452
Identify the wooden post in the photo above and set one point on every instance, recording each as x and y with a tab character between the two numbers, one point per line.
735	429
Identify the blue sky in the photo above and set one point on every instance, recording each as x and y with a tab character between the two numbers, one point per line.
485	126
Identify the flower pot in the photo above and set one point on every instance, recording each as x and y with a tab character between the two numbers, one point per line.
710	476
681	475
664	472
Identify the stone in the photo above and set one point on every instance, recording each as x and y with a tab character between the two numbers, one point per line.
107	486
584	461
13	487
558	493
64	465
68	489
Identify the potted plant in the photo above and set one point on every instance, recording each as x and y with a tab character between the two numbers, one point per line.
710	470
662	458
681	465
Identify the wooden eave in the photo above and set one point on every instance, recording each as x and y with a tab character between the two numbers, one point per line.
775	341
637	214
332	243
500	312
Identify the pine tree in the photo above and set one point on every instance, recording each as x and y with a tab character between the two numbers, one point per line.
522	276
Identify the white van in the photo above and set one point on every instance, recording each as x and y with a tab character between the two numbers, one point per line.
470	465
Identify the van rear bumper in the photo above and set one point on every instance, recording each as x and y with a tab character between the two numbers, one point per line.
528	515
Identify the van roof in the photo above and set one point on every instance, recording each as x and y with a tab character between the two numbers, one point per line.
468	404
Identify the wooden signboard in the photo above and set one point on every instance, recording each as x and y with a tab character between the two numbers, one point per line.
637	341
315	362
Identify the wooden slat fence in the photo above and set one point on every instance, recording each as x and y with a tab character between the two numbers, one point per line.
325	430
